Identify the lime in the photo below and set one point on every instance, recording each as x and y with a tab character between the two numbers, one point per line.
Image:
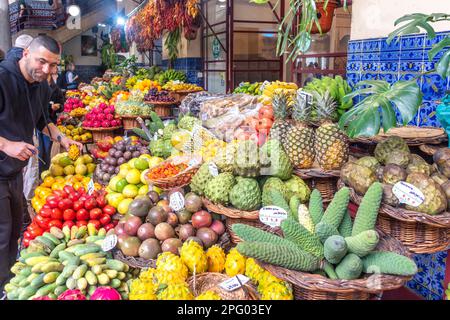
141	164
121	184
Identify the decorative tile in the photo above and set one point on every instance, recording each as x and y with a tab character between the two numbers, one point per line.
411	66
393	46
354	57
418	289
389	55
354	66
434	296
389	77
369	76
439	37
408	76
412	42
370	66
373	56
371	45
353	78
354	46
412	55
433	87
389	66
428	66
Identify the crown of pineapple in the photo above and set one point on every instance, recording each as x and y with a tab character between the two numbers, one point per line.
325	105
280	104
301	110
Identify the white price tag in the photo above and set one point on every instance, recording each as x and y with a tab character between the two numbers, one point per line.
204	117
91	187
272	215
109	242
213	170
176	201
408	194
234	283
194	162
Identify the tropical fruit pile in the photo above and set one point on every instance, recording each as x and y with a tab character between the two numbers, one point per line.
101	147
327	241
67	165
269	89
249	88
67	259
180	86
393	163
75	133
152	226
101	116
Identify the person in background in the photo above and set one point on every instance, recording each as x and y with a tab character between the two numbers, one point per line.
24	98
25	12
71	77
22	42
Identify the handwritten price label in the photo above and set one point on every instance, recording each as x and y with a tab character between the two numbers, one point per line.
176	201
408	194
234	283
91	187
213	170
109	243
272	216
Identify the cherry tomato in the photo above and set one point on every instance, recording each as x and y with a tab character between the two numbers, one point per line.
42	222
52	201
69	214
96	223
101	201
74	196
108	227
55	223
81	190
57	214
46	206
83	198
59	193
82	214
65	204
70	224
77	205
81	223
109	210
45	212
90	204
105	219
26	242
37	231
95	213
68	189
27	235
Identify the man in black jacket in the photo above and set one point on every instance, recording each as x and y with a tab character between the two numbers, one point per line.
24	98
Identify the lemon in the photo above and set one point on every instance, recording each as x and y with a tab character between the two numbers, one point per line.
133	176
141	164
113	183
130	191
122	208
143	190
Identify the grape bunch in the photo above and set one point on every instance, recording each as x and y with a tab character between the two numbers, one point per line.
158	96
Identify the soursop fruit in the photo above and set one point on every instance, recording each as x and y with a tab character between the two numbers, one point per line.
386	147
188	123
273	184
393	173
224	158
246	161
274	160
369	162
358	177
200	179
246	195
218	188
442	161
297	187
398	157
435	198
169	130
418	164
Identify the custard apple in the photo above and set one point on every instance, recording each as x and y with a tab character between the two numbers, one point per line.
273	184
200	179
246	161
369	162
435	198
398	157
188	123
246	194
275	161
385	148
218	188
418	164
358	177
297	187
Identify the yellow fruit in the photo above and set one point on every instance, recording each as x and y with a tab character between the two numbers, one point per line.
121	184
81	169
143	190
65	161
216	259
145	156
142	290
56	170
194	257
277	291
69	170
133	176
179	291
79	161
235	263
154	161
130	191
122	208
253	270
113	182
131	163
170	269
114	199
124	168
91	167
87	159
143	176
48	181
208	295
45	174
141	164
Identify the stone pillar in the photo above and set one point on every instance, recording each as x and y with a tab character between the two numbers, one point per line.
5	31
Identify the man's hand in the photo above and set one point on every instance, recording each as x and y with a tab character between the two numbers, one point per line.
20	150
55	106
66	142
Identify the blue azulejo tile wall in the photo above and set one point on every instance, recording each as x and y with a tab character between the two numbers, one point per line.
374	59
193	67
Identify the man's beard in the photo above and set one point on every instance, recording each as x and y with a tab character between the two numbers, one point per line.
38	77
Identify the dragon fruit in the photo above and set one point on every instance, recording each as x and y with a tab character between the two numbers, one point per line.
105	293
106	124
109	117
72	295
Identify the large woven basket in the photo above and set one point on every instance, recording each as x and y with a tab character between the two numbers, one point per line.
130	122
308	286
229	222
324	181
198	284
140	263
180	180
101	133
419	232
230	212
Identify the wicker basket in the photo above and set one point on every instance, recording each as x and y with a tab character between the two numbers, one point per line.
140	263
130	122
324	181
101	133
180	180
211	280
414	136
180	95
308	286
419	232
253	223
230	212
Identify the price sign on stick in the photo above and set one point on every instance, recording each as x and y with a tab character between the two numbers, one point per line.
176	201
213	170
272	216
234	283
91	187
408	194
109	243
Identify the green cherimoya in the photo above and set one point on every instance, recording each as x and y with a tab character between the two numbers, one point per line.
435	201
275	161
246	195
273	184
246	162
386	147
398	157
369	162
218	188
280	255
224	158
188	123
169	130
200	179
297	187
389	263
418	164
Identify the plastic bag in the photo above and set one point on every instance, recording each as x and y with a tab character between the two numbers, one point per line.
31	174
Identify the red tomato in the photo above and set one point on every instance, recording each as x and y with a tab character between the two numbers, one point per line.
68	189
57	214
55	223
33	225
27	235
42	222
69	214
46	213
77	205
101	201
65	204
266	112
52	201
46	206
90	204
264	124
82	199
70	224
74	196
37	231
26	242
96	223
59	193
82	214
105	219
81	190
110	210
95	213
109	226
81	223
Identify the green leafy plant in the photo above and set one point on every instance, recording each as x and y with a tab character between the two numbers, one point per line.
171	43
414	23
109	56
378	109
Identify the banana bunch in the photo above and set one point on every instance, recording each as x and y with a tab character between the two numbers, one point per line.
269	89
249	88
171	75
337	87
174	86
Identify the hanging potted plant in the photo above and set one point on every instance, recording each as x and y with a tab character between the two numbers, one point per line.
325	14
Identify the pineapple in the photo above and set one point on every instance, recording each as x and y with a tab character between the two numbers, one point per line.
74	152
299	145
281	126
216	259
208	295
235	263
331	144
253	270
170	269
179	291
277	291
194	257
